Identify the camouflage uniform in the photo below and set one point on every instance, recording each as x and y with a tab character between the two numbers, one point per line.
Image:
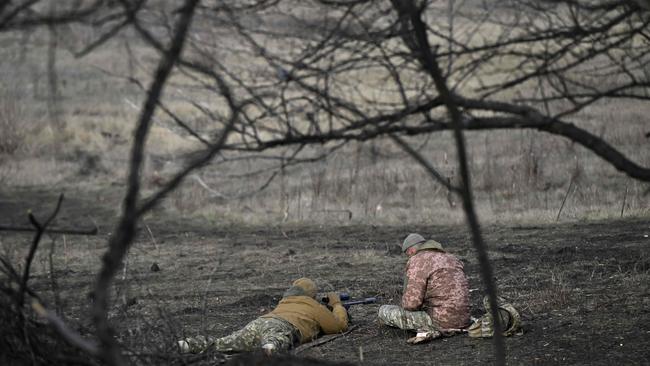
434	285
260	331
395	316
298	318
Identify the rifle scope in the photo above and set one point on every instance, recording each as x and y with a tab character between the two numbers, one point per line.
343	295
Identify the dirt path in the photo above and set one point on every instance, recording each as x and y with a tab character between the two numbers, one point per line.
582	288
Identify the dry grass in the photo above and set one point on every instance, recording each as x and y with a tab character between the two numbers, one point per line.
518	176
11	112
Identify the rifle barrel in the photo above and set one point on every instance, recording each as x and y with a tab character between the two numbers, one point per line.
368	300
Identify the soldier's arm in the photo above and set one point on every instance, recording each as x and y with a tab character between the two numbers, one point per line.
416	286
334	321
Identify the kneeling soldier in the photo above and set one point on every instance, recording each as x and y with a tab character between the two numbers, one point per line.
435	301
298	318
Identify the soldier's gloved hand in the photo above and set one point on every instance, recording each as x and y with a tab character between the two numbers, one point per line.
333	299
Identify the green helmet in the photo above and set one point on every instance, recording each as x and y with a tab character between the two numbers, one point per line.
412	240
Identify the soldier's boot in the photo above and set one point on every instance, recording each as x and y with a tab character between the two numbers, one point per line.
183	346
269	349
196	344
423	336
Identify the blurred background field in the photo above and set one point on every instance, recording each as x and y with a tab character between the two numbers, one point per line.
78	136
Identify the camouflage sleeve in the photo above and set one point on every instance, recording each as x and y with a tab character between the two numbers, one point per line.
196	344
415	285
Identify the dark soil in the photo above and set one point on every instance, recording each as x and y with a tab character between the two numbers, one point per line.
582	288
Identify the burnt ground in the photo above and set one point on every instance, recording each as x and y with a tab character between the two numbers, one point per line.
582	288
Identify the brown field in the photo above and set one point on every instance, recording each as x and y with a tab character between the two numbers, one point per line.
582	288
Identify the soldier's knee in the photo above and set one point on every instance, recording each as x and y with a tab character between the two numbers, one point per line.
387	312
392	315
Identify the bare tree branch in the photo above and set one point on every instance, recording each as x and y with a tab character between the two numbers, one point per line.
20	15
411	17
40	229
426	164
125	230
69	335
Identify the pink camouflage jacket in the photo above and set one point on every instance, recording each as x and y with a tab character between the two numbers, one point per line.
435	283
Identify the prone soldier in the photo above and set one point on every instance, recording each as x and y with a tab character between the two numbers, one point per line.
298	318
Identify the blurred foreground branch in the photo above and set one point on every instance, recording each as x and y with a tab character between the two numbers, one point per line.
412	19
22	333
92	231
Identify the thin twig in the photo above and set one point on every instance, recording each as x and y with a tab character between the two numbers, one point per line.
213	192
425	164
205	299
323	340
53	281
624	199
566	195
153	240
40	229
92	231
69	335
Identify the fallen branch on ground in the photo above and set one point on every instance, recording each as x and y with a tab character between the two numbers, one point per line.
323	340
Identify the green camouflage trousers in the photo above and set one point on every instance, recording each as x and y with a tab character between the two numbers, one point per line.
260	331
395	316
